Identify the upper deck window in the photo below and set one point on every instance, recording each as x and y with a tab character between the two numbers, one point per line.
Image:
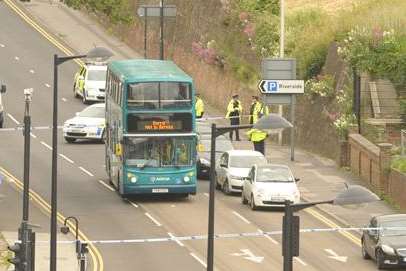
159	95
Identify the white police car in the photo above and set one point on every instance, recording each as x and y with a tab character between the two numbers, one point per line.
90	82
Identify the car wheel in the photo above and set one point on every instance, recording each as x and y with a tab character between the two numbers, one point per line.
84	99
226	188
380	259
243	199
252	203
364	252
70	139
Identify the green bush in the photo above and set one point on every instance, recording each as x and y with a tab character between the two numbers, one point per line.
399	163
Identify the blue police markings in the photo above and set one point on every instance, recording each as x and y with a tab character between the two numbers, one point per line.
281	86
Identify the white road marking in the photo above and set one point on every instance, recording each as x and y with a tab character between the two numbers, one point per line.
106	185
153	220
33	136
16	58
32	71
64	100
177	241
86	171
241	217
66	158
198	259
268	237
48	85
248	255
335	256
133	204
12	118
2	45
206	194
173	205
300	261
46	145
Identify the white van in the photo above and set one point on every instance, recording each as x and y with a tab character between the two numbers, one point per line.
2	90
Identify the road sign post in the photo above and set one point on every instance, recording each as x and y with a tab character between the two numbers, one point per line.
160	11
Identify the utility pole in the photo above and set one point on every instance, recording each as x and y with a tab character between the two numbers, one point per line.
161	32
281	53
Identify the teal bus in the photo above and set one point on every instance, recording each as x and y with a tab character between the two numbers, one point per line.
150	128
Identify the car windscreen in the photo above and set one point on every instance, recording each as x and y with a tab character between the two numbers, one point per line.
96	75
274	174
393	228
246	161
154	95
92	112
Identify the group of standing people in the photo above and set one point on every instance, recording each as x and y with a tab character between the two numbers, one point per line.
257	110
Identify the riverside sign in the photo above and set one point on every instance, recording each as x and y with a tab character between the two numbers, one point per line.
281	86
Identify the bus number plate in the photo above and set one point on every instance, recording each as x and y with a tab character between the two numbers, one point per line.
160	190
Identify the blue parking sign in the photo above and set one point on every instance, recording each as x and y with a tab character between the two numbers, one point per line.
272	86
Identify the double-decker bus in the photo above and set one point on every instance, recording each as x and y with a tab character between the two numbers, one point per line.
150	128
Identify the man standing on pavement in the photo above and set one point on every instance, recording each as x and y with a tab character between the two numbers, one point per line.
257	110
199	106
258	139
234	110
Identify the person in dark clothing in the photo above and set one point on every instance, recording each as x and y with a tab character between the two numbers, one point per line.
234	110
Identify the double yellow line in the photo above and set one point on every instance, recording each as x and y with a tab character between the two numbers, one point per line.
96	256
97	259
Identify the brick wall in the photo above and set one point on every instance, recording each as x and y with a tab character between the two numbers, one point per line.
397	188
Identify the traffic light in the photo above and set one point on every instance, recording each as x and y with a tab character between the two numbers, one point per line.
18	260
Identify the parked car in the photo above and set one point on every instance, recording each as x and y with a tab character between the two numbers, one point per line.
269	186
87	124
386	246
90	82
234	166
223	144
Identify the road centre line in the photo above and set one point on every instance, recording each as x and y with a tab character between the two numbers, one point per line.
48	85
86	171
33	136
268	237
300	261
153	219
16	58
66	158
32	71
177	241
94	253
106	185
133	204
64	100
13	119
206	194
241	217
46	145
2	45
198	259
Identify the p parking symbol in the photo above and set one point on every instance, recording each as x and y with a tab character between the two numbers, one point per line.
272	86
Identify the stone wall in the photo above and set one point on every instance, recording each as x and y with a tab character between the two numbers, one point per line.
397	188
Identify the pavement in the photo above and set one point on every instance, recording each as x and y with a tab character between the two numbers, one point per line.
320	177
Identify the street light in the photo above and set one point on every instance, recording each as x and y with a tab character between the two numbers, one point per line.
80	248
96	53
354	194
270	121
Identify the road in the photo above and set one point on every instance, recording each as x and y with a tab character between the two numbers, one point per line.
84	192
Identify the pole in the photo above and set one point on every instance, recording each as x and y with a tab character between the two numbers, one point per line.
210	235
292	130
287	237
281	53
161	35
54	189
27	141
145	32
357	98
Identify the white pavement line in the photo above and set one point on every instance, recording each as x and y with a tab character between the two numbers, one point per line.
66	158
177	241
198	259
32	71
106	185
12	118
16	58
241	217
64	99
206	194
46	145
300	261
48	85
153	220
33	136
268	237
87	172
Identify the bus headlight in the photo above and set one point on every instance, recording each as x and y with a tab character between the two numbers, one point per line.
186	179
131	177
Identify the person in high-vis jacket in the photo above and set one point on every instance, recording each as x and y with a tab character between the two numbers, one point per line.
234	110
257	109
258	139
199	106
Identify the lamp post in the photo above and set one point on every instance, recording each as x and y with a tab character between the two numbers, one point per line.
354	194
80	248
97	52
271	121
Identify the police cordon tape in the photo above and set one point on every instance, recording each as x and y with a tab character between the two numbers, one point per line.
223	236
20	128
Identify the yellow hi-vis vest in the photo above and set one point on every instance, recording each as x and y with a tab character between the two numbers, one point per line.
260	110
256	135
199	107
231	109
